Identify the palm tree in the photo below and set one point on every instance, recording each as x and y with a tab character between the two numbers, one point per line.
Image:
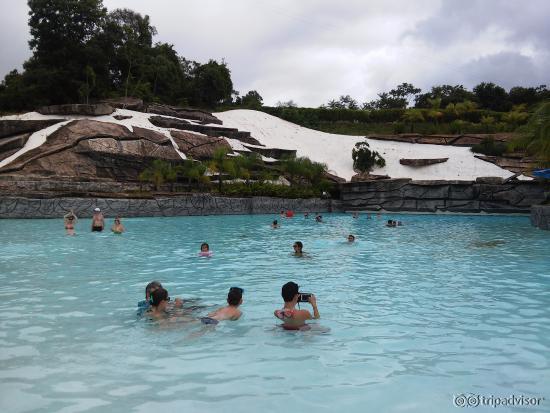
221	164
413	116
535	136
487	121
159	172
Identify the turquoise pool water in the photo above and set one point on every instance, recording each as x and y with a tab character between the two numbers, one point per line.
411	316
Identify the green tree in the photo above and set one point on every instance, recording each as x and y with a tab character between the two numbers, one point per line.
447	93
493	97
252	100
413	116
212	84
364	159
60	34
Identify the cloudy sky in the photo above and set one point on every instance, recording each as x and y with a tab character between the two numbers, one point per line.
313	50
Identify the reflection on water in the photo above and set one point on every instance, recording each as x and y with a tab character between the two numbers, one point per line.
410	317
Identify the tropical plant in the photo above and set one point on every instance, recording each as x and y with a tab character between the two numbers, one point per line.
222	164
364	159
489	147
158	173
535	136
487	121
193	171
413	116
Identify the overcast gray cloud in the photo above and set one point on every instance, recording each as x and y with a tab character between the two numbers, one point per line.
314	50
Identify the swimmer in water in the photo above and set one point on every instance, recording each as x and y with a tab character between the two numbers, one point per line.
295	319
150	288
231	311
205	250
351	238
275	224
117	227
306	215
159	303
298	247
70	220
319	218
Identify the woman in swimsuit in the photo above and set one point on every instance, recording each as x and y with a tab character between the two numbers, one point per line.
295	319
69	220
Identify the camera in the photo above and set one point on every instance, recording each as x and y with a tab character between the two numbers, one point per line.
304	297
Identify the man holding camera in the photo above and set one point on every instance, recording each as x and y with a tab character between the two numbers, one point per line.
295	319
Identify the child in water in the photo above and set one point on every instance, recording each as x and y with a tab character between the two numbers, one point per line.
205	250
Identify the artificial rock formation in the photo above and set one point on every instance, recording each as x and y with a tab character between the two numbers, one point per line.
99	109
484	195
199	146
421	162
94	150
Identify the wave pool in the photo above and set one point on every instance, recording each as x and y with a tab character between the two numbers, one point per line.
445	311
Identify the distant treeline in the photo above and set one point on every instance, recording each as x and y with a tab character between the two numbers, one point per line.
82	52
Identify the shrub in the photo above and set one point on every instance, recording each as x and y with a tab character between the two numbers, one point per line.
364	159
489	147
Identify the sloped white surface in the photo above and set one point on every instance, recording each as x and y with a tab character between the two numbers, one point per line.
335	150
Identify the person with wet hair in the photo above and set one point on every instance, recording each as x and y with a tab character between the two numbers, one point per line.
229	312
159	303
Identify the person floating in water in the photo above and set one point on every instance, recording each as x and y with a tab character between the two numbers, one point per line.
351	238
98	221
205	250
319	218
275	224
69	220
231	311
298	249
295	319
117	227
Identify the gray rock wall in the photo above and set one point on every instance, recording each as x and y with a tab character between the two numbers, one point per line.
540	216
201	204
484	195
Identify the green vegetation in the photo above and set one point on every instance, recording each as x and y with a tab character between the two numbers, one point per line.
307	177
82	53
364	159
489	147
535	136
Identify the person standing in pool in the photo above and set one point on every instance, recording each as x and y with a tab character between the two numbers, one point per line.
230	312
351	238
70	220
275	224
295	319
98	221
117	227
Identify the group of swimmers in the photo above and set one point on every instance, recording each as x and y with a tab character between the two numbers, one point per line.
158	305
98	222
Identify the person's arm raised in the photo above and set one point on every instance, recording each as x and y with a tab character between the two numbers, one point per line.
313	301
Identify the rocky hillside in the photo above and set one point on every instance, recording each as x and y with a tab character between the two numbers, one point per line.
83	146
